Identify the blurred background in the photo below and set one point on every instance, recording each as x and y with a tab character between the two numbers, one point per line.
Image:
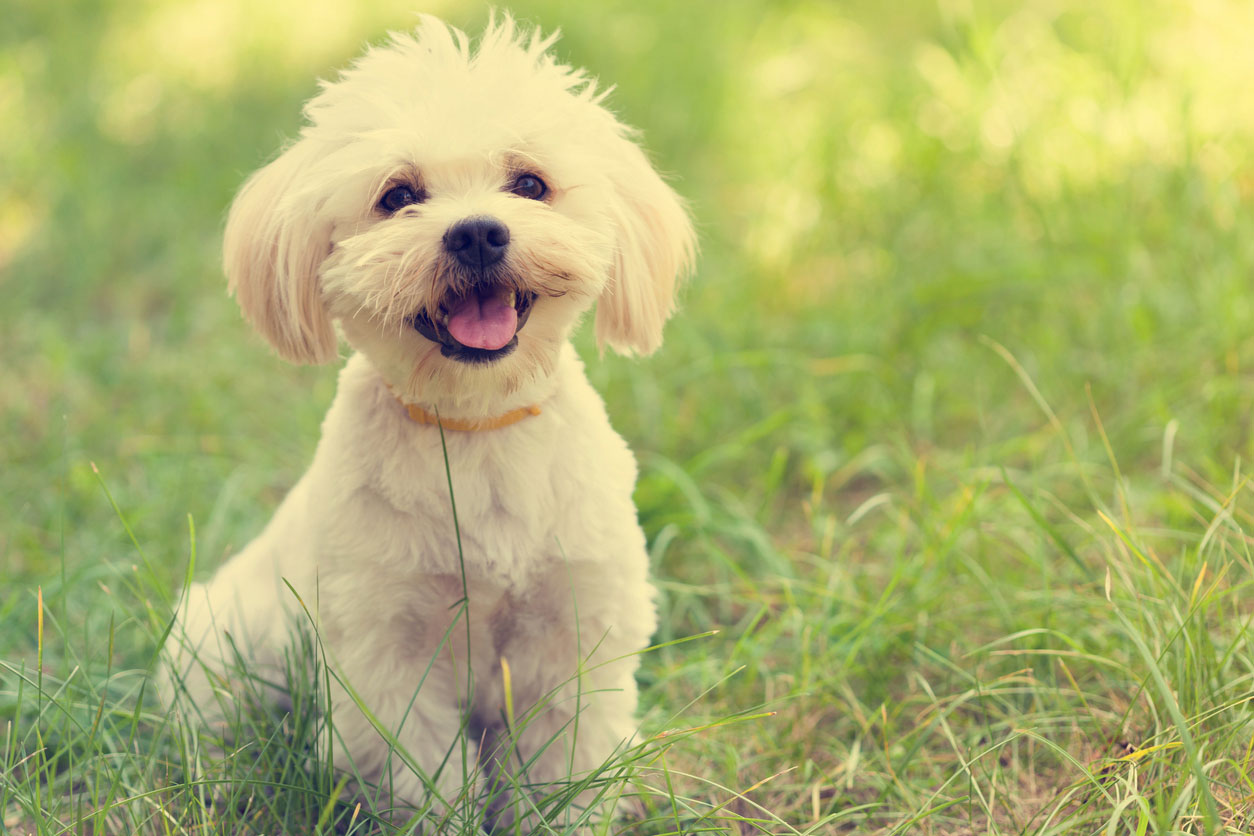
947	248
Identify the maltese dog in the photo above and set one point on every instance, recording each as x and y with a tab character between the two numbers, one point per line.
465	543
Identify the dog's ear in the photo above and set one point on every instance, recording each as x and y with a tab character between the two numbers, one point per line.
655	244
273	246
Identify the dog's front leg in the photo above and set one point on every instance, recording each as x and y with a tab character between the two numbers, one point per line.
408	746
575	693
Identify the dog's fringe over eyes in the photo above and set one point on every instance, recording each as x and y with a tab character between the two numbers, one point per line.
477	654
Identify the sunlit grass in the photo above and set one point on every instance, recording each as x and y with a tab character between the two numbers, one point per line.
949	443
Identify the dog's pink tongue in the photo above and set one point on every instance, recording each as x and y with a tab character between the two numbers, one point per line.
483	323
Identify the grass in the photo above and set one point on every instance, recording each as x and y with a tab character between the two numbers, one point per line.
949	443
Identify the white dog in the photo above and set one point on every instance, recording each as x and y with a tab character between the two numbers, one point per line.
454	211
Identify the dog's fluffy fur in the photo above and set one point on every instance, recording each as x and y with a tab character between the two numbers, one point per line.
350	226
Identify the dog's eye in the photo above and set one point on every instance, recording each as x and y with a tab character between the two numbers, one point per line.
529	186
396	199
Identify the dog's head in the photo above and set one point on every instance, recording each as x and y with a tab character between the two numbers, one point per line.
456	210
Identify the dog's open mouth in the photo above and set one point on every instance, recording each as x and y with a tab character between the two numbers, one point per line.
479	327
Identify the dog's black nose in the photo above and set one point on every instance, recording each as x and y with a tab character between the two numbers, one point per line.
477	242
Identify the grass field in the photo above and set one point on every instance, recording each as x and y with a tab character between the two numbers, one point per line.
948	444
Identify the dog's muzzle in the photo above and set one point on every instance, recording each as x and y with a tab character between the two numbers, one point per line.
479	321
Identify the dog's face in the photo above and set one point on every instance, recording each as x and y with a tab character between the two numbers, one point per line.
456	212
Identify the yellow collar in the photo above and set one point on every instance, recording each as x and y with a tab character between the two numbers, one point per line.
421	416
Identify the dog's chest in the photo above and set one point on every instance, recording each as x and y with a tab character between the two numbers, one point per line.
478	630
508	506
